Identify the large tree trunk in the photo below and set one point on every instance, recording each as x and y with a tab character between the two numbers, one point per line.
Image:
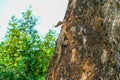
88	47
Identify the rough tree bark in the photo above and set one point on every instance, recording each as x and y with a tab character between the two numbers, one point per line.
88	47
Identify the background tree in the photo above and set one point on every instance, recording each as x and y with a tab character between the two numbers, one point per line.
24	53
88	46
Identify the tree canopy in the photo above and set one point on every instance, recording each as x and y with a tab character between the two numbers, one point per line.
24	53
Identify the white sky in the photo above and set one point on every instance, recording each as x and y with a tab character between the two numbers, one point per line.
51	11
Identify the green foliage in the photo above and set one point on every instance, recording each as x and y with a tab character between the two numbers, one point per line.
24	55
